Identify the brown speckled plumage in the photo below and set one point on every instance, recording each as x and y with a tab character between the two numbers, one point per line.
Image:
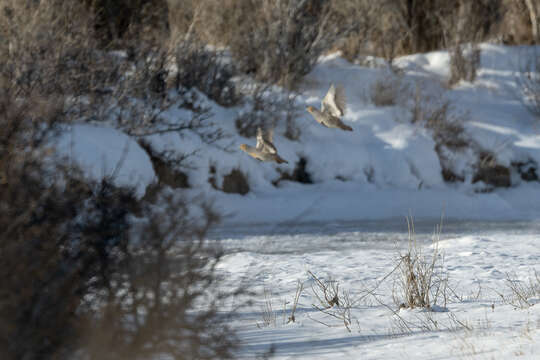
333	107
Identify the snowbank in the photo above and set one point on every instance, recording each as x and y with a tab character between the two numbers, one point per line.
386	167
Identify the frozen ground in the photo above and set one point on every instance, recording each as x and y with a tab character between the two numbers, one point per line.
475	324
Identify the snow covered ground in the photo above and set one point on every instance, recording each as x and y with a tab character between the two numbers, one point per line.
475	323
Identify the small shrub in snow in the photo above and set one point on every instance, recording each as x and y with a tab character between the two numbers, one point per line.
524	293
266	108
233	183
464	63
420	280
387	90
331	301
438	115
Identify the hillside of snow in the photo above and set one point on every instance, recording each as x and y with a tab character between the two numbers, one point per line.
387	167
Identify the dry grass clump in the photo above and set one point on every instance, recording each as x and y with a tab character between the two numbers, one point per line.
523	292
421	283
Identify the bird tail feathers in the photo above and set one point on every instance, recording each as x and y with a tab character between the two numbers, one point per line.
345	127
281	161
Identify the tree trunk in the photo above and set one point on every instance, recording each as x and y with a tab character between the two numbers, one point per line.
533	14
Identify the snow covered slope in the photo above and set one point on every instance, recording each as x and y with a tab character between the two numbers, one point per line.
388	166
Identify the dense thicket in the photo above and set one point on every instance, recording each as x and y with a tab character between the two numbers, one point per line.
88	270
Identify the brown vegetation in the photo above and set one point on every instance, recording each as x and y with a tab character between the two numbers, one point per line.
86	269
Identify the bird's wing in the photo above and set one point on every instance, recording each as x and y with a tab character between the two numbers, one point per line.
269	141
334	101
270	135
260	139
263	142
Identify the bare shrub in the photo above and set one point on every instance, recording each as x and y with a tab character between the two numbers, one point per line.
269	314
522	291
80	274
431	110
489	171
39	283
86	269
390	28
45	46
332	302
388	90
163	297
421	281
51	54
291	112
365	15
282	39
528	81
438	114
464	63
326	292
266	108
461	28
202	68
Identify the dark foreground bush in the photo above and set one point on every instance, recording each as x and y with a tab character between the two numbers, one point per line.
87	270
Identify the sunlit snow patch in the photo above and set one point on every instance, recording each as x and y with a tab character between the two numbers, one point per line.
106	152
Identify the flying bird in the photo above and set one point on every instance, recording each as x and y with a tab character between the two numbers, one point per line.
265	149
332	109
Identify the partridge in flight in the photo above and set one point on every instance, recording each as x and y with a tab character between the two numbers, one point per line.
332	109
265	149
